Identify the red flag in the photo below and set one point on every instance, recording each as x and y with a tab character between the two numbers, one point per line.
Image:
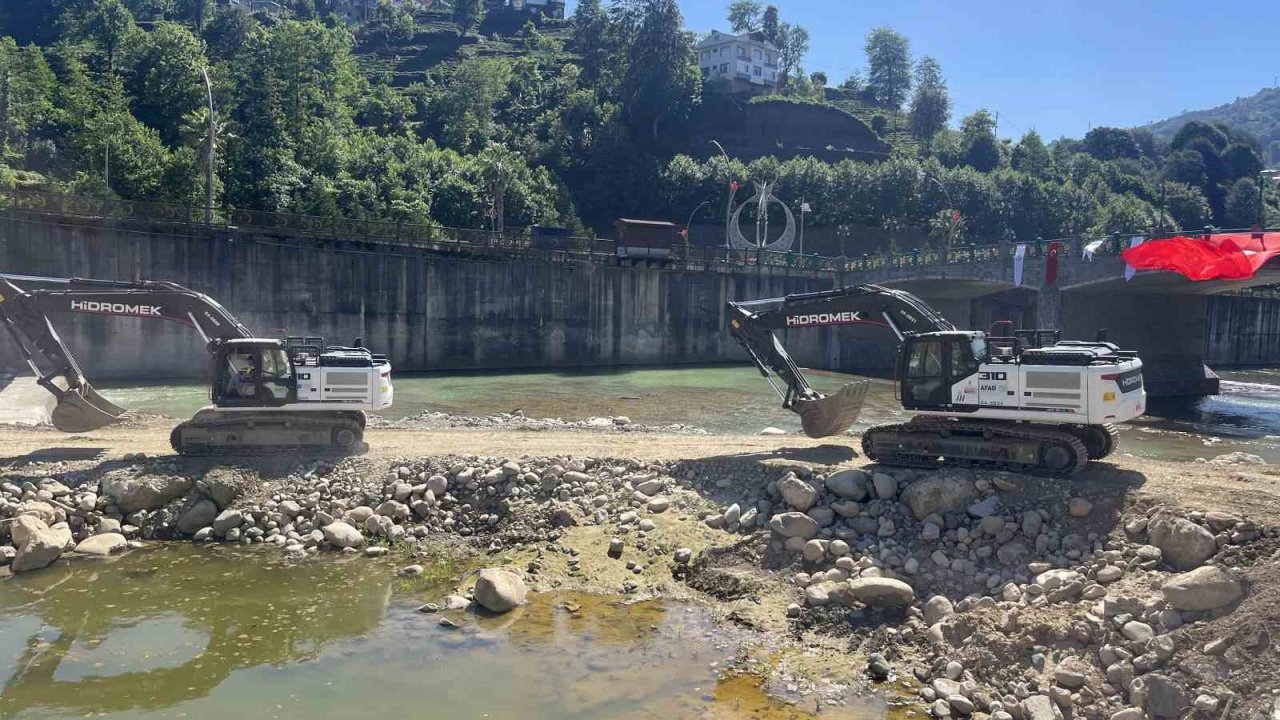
733	185
685	233
1051	263
955	217
1223	256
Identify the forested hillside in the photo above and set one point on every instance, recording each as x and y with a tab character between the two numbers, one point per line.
1257	115
446	116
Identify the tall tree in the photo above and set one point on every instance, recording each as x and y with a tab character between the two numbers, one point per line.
590	39
744	15
1241	207
793	45
165	81
770	24
1109	143
979	147
888	67
930	105
662	81
1031	156
107	23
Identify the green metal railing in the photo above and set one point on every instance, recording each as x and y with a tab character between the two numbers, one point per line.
519	242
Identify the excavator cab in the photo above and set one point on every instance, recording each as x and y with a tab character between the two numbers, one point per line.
932	364
253	372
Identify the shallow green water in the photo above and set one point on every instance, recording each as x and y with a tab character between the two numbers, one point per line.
735	399
214	632
722	399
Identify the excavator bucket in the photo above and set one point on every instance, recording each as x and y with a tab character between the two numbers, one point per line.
83	410
832	414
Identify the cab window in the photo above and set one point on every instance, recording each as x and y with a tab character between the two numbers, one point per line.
925	360
963	363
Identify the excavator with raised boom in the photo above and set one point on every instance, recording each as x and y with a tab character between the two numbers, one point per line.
267	395
1031	402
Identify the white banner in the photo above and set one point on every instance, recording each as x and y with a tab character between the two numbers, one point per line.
1019	256
1090	249
1129	270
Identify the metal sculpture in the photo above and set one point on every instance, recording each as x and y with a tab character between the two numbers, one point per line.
764	195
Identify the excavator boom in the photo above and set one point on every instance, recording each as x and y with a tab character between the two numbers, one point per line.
25	314
753	324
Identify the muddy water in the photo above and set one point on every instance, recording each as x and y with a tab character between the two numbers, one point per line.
213	632
735	399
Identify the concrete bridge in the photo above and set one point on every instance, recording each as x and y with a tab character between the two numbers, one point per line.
1159	314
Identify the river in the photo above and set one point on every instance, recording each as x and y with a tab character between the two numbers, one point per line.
180	631
735	399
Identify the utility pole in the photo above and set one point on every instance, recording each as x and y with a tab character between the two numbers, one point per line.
209	158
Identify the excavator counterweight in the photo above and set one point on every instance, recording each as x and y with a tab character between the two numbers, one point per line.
1017	403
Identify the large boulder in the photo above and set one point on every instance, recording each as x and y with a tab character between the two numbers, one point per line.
41	549
882	592
500	590
940	494
1165	697
794	524
850	483
1040	707
201	514
1205	588
341	535
226	520
132	493
797	493
43	510
62	532
102	545
1183	544
223	485
22	527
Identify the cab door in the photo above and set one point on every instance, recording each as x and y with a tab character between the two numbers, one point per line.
924	378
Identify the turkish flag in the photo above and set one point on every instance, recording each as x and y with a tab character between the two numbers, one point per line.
1051	263
1222	256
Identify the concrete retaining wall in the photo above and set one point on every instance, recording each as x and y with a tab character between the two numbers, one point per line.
1242	331
426	311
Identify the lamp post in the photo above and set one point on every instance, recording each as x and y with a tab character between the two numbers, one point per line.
689	224
733	190
950	206
208	177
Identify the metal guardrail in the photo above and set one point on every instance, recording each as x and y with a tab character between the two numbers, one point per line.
520	242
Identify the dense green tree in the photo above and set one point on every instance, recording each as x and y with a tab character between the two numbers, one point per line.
466	110
888	67
793	45
106	23
592	39
165	79
1108	143
744	15
1186	167
27	89
1238	160
1031	156
1198	130
31	21
150	10
229	32
662	82
930	105
771	25
979	147
1241	205
1186	204
468	14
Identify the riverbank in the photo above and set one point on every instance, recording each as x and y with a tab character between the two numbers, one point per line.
988	594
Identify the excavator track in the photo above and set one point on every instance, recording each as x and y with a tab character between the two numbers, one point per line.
1099	440
223	433
942	442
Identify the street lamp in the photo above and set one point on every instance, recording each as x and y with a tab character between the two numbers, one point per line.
208	177
733	190
950	205
688	224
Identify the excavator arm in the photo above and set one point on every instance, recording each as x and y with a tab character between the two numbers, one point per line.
753	324
25	313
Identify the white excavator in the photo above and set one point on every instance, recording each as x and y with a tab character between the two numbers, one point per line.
1028	403
267	395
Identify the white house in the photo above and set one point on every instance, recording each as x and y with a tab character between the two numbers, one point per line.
747	61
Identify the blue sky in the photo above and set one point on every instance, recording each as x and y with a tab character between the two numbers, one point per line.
1058	67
